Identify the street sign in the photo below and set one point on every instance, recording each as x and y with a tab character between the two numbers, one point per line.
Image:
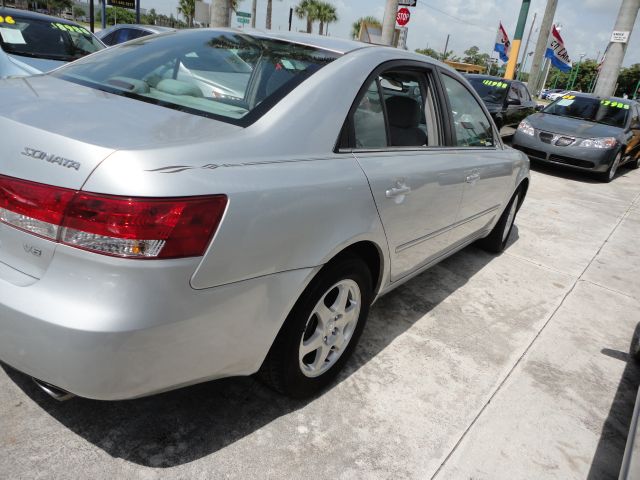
403	16
243	20
131	4
407	3
243	14
620	37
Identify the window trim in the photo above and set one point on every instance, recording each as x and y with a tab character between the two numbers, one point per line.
430	72
498	145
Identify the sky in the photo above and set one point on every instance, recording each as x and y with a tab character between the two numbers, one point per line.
586	24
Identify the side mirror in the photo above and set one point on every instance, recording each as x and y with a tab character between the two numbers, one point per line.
539	108
513	101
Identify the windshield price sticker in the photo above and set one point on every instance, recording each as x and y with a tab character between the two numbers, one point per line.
610	103
565	102
12	35
493	83
8	20
70	28
569	97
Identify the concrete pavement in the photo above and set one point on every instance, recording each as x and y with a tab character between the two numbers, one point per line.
483	367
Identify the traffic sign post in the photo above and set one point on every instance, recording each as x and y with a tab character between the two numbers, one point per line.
403	16
243	18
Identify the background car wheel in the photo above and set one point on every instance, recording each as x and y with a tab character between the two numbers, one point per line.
610	174
321	331
497	240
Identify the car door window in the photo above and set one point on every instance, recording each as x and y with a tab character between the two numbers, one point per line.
472	127
126	34
109	39
397	110
513	93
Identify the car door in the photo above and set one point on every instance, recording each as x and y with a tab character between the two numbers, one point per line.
397	136
528	105
477	150
633	144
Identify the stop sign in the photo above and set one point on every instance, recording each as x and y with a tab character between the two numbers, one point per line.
403	16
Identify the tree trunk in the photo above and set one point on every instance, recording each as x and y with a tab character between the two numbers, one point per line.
220	13
269	10
309	25
321	27
254	7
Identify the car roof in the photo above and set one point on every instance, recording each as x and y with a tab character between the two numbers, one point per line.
150	28
15	12
338	45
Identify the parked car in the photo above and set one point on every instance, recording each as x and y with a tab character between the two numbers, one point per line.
124	32
544	94
508	101
584	132
177	238
33	43
553	96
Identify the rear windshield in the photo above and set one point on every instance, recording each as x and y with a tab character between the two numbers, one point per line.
29	37
225	75
607	112
492	91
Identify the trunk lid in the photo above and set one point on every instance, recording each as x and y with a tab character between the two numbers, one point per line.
57	133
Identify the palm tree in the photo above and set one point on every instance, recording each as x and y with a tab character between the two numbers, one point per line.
220	10
355	28
188	9
326	15
308	9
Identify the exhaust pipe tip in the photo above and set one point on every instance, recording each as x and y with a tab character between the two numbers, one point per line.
54	392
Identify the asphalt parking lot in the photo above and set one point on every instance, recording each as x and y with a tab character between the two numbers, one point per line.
484	367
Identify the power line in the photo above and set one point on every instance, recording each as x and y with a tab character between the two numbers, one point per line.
461	20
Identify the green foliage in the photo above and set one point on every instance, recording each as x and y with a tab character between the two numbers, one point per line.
117	14
307	9
188	9
628	81
474	57
430	52
355	27
326	14
582	77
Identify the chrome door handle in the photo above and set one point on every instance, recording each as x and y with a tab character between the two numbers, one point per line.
396	191
474	177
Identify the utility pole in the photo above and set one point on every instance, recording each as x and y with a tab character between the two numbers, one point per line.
254	8
526	47
535	75
220	13
446	47
389	21
517	40
615	53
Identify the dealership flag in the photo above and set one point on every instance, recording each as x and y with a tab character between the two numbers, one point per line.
503	45
556	51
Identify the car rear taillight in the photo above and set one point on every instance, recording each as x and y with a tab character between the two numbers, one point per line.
132	227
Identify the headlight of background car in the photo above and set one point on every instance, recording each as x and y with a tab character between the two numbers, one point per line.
605	142
526	128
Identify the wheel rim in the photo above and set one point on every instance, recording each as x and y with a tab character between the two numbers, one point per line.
510	218
330	328
614	167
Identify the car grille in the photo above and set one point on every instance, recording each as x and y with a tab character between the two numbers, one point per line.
571	161
546	137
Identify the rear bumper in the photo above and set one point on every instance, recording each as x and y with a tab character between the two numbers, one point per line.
129	329
587	159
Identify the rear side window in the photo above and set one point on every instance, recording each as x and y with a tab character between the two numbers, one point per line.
471	125
126	34
396	110
524	93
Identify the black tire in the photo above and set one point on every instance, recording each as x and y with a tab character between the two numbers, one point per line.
610	174
496	241
281	369
634	164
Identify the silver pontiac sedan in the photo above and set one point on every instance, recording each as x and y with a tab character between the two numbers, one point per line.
155	233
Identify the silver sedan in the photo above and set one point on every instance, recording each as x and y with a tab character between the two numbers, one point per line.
177	234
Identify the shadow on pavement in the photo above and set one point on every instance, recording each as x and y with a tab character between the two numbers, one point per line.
607	459
184	425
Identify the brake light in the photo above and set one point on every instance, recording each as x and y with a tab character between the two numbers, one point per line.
136	227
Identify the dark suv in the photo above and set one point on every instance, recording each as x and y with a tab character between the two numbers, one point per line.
508	101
